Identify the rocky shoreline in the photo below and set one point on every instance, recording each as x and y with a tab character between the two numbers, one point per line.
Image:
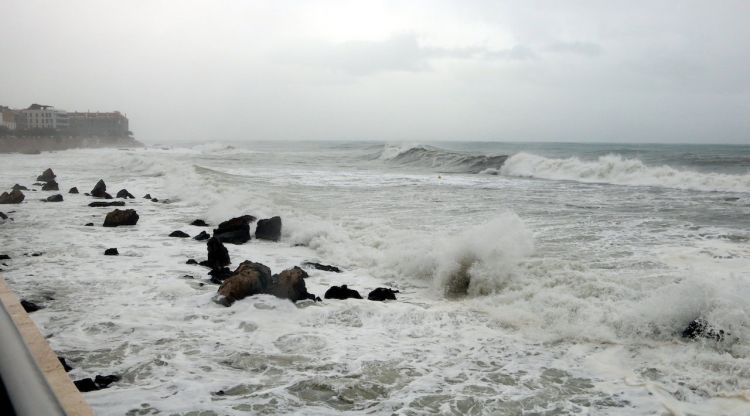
35	145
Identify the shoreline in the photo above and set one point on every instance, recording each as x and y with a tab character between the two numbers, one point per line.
35	145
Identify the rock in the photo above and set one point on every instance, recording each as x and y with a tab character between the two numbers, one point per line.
73	190
14	197
54	198
64	364
700	328
202	236
18	187
154	200
218	256
179	234
4	257
46	176
39	183
290	284
99	204
343	292
86	385
382	293
219	275
247	280
147	196
199	223
3	216
191	261
118	217
235	231
104	381
51	186
324	267
123	193
89	224
100	190
111	252
269	229
29	306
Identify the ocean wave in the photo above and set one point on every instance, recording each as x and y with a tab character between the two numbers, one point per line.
437	158
614	169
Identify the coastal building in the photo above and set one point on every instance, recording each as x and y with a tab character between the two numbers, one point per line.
113	124
39	116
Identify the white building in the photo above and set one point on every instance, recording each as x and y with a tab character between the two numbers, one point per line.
45	117
7	118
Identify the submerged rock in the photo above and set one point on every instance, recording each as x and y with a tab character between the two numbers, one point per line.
18	187
147	196
46	176
343	292
29	306
269	229
104	381
89	224
290	284
324	267
235	231
64	364
191	261
247	280
118	218
179	234
218	256
123	193
14	197
100	190
86	385
219	275
111	252
3	216
700	328
4	257
54	198
50	186
202	236
73	190
99	204
199	223
382	293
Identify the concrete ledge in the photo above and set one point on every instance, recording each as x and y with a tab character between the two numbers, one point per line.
46	360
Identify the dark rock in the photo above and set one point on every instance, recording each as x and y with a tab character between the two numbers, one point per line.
324	267
64	364
154	200
147	196
343	292
4	257
247	280
86	385
89	224
179	234
202	236
111	252
29	306
199	223
700	328
290	284
118	217
3	216
18	187
191	261
54	198
14	197
218	256
35	254
99	204
46	176
382	293
73	190
219	275
235	231
123	193
269	229
51	186
100	190
104	381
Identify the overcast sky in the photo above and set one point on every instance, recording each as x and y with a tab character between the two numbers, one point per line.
665	71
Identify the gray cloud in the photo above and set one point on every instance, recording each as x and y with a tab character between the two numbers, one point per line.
578	48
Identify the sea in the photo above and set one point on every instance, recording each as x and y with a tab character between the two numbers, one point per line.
533	278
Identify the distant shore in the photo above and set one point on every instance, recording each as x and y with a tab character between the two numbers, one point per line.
33	145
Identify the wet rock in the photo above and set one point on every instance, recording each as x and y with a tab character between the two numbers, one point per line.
147	196
3	216
64	364
4	257
179	234
123	193
700	328
14	197
54	198
202	236
191	261
85	385
111	252
235	231
89	224
218	256
99	204
199	223
104	381
269	229
343	292
118	218
73	190
154	200
382	293
29	306
219	275
290	284
247	280
18	187
46	176
324	267
51	186
100	190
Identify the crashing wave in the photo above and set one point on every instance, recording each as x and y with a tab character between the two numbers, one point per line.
441	159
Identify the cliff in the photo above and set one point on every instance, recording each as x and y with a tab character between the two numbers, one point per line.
31	145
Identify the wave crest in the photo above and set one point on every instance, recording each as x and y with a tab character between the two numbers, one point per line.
444	160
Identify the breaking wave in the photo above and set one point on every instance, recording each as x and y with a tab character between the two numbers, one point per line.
444	160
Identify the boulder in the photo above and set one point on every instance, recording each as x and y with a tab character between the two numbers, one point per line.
18	187
179	234
154	200
247	280
29	306
235	231
269	229
199	223
100	190
343	292
89	224
202	236
64	364
3	216
85	385
73	190
118	217
50	186
382	293
191	261
700	328
104	381
14	197
111	252
324	267
46	176
99	204
219	275
290	284
123	193
54	198
218	256
4	257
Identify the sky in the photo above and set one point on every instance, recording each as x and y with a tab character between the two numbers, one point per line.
534	70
